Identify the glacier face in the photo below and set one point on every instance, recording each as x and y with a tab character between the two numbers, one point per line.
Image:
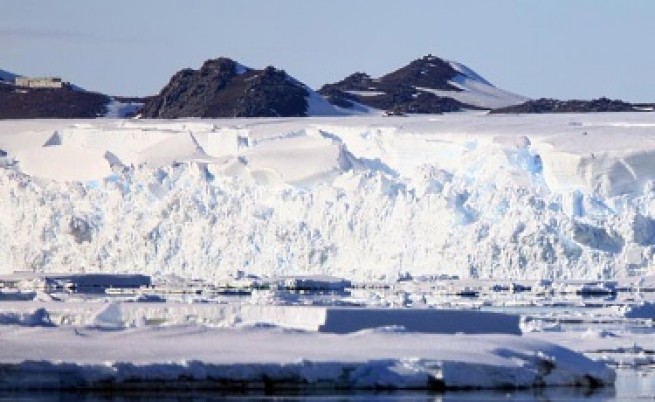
523	197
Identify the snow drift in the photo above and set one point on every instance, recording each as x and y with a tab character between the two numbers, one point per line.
372	198
476	91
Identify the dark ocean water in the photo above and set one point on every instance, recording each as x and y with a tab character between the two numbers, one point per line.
631	386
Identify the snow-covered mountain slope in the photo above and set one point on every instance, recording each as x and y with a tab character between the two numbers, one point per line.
319	106
476	91
567	196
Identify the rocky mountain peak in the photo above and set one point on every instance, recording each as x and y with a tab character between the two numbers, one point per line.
427	72
224	88
428	84
358	81
399	91
219	64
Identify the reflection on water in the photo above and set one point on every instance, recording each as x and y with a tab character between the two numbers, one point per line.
630	386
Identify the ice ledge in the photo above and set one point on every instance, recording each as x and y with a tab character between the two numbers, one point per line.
270	359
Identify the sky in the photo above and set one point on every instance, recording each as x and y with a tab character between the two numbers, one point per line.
538	48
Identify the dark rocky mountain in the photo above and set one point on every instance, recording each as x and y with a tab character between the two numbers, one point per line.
33	103
545	105
223	88
398	91
428	71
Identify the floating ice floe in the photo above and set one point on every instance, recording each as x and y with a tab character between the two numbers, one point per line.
276	359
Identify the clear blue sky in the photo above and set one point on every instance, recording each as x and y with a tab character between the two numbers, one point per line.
538	48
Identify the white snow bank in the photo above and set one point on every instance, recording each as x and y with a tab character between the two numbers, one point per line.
478	94
317	105
223	141
20	135
258	358
596	164
477	91
64	163
468	72
298	160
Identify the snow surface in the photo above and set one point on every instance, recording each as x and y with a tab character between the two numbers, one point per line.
373	198
317	105
477	91
467	72
55	161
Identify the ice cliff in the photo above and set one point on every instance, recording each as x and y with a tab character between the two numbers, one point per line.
567	196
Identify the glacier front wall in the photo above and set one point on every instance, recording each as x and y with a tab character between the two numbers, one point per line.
368	199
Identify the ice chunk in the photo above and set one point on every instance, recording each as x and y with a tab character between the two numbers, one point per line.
109	317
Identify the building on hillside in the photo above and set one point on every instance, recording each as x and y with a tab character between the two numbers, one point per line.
40	82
